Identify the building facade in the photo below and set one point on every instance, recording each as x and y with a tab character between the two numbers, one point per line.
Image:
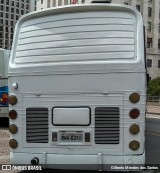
10	11
150	10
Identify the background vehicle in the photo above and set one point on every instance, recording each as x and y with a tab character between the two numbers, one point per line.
4	59
77	83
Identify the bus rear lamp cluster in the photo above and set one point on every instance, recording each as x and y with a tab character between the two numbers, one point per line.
134	129
13	129
12	114
134	98
134	145
13	143
134	113
12	99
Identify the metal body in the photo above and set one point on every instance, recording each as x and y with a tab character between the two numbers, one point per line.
79	63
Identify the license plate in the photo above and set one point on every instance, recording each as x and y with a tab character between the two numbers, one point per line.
71	137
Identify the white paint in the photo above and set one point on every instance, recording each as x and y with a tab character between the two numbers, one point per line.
71	116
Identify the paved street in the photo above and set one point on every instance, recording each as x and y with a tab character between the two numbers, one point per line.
153	139
4	148
4	152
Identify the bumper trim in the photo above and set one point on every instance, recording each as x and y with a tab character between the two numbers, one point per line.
79	162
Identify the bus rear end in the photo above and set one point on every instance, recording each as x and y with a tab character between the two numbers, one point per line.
77	88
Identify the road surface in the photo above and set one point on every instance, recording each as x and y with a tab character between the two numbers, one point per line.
153	139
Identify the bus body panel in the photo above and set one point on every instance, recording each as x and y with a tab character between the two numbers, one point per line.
86	58
81	162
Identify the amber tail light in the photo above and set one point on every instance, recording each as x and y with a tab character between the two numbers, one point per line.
134	129
134	145
13	128
13	143
12	99
134	98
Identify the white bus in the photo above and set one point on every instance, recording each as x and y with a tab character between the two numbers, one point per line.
77	83
4	59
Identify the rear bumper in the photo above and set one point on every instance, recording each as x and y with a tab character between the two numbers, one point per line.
78	162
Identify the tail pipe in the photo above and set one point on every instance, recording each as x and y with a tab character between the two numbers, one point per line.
35	161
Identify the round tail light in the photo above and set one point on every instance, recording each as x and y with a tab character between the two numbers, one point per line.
13	143
134	129
134	113
12	100
134	97
13	128
12	114
134	145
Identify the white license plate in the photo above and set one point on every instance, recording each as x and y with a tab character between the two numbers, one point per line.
71	137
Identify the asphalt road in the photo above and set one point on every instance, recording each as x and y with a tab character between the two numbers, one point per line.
152	144
4	148
153	139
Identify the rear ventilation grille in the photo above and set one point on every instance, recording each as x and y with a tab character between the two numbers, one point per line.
107	125
37	125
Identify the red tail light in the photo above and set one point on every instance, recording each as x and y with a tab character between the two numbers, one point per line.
12	114
4	98
134	113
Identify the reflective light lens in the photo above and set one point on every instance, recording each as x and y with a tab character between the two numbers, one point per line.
12	100
134	97
134	129
4	98
13	143
13	129
134	145
134	113
12	114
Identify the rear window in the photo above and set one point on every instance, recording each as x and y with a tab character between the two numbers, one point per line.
80	36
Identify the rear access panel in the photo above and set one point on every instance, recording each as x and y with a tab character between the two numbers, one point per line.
71	116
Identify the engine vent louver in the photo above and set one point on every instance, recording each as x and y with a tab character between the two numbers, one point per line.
37	125
107	125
